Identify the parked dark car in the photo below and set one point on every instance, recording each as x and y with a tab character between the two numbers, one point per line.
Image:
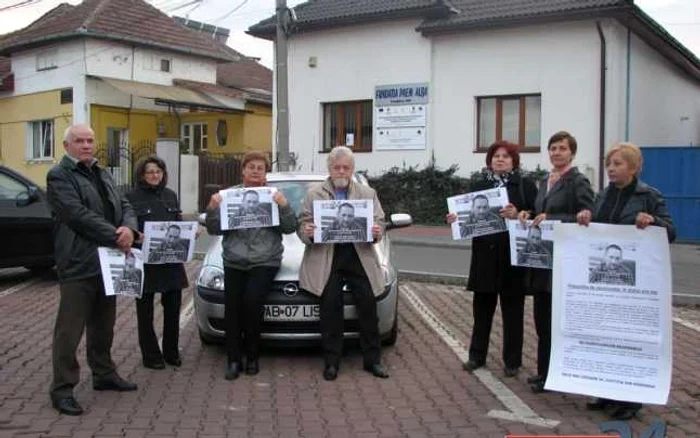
26	227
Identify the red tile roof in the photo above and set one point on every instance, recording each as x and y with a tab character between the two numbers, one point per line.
247	95
247	74
131	21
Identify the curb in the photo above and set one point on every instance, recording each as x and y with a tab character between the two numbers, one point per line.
456	244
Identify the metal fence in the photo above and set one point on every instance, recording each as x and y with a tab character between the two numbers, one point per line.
120	160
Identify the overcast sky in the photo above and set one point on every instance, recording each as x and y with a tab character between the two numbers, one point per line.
680	17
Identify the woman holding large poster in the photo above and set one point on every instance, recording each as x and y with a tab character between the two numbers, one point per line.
626	201
562	194
491	275
152	201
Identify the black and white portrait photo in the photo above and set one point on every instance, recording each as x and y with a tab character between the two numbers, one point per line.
169	242
122	273
477	213
530	246
344	221
248	208
612	267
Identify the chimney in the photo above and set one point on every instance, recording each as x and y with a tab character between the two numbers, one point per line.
220	34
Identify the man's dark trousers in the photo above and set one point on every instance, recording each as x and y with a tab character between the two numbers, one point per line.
83	306
346	266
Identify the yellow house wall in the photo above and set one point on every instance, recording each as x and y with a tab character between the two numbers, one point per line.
234	122
15	113
257	128
142	125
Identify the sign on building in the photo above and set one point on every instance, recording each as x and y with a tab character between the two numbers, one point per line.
400	116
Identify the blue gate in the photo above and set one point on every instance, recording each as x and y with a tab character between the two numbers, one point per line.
674	171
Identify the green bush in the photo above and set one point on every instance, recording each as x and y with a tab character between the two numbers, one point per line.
423	192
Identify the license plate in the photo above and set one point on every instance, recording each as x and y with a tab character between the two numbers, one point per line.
292	312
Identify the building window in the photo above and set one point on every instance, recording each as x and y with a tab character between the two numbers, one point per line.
512	118
165	65
46	60
40	140
195	137
66	96
349	124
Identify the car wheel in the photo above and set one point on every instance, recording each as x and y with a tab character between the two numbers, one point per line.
206	339
393	334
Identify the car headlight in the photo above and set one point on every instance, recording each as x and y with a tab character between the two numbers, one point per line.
389	275
211	277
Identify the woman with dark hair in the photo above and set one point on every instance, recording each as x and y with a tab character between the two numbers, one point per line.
491	275
562	194
252	257
152	201
626	201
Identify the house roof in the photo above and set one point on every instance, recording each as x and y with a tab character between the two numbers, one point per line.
445	16
130	21
319	14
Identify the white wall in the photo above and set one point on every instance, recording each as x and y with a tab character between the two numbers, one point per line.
189	178
70	72
351	62
665	102
559	61
141	64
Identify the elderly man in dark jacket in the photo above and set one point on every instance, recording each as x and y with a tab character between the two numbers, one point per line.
88	212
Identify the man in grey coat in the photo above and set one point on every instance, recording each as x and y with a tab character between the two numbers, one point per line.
88	212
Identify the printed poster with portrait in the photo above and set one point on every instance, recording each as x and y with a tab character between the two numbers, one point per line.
248	207
122	273
477	213
531	247
611	301
344	221
168	242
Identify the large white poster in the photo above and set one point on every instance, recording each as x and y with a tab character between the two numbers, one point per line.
122	273
477	213
400	116
250	207
168	242
343	221
611	312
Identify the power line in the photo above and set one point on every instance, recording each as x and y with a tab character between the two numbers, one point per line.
21	4
229	13
184	5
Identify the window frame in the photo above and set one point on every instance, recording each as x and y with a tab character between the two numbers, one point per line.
358	145
47	59
191	149
499	121
31	141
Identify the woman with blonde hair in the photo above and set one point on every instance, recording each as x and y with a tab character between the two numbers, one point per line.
626	201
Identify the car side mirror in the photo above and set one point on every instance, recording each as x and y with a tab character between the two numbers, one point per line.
400	220
27	197
202	219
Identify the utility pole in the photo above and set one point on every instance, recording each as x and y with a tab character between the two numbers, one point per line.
282	86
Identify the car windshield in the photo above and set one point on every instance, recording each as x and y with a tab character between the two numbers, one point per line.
294	191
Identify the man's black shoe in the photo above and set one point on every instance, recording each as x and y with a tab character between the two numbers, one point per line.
471	365
330	372
252	367
67	406
154	364
232	370
598	404
115	384
511	372
534	379
175	361
377	370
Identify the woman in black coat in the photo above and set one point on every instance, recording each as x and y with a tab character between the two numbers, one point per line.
152	201
490	274
626	201
560	196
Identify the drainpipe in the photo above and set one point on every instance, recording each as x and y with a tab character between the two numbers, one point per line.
601	146
628	85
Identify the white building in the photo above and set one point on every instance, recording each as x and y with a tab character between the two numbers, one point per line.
600	69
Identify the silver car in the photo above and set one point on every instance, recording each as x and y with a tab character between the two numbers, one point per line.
291	313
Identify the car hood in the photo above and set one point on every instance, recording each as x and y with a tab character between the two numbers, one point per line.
291	258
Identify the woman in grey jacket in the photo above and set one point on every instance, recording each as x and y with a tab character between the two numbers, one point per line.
565	192
626	201
251	258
